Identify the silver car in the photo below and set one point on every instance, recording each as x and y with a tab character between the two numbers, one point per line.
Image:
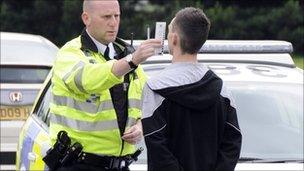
25	63
267	89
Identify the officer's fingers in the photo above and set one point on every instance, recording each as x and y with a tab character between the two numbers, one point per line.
148	54
145	51
134	135
128	137
137	133
139	129
155	41
128	140
138	138
142	56
148	45
133	140
153	45
129	130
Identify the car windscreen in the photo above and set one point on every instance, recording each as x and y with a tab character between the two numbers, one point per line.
270	116
23	74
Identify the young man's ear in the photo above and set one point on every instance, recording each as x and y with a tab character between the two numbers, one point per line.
85	18
175	39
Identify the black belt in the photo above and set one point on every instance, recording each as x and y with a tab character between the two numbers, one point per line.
107	162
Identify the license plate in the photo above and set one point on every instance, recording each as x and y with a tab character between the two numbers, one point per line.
14	112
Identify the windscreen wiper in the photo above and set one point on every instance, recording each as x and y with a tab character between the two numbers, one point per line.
259	160
248	159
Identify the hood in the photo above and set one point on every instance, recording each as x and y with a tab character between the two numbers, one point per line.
190	85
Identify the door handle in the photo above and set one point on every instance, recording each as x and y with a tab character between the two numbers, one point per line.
31	156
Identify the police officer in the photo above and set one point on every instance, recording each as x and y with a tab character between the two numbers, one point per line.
97	85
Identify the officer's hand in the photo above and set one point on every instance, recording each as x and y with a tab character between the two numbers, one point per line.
145	50
133	134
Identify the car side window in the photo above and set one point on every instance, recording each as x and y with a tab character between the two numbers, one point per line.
43	108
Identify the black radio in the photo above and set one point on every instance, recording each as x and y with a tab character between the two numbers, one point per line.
62	154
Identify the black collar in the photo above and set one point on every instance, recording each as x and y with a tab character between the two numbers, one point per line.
87	43
121	47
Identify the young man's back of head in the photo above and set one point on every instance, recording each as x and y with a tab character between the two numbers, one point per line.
193	27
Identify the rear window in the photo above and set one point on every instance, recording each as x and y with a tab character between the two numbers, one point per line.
27	52
23	74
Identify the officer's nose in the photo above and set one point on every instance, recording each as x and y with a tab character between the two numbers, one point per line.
113	21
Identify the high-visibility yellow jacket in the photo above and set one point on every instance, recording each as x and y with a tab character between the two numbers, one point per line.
82	103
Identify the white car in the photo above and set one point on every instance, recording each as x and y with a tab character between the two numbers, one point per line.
25	63
267	88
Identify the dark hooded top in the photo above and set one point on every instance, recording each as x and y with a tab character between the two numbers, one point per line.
189	121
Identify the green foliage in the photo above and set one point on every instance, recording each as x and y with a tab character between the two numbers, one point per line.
299	60
48	15
280	23
136	19
59	20
12	15
70	24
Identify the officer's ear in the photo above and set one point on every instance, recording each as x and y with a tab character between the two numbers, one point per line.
86	19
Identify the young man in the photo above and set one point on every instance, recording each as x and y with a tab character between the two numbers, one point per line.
96	90
189	122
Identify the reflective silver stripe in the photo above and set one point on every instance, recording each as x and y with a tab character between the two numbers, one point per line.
91	107
79	64
84	125
105	105
82	106
131	122
234	127
135	103
78	80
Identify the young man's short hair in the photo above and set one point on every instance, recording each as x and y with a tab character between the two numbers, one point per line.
193	27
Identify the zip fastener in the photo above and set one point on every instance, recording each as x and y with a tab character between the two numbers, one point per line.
123	141
125	89
122	147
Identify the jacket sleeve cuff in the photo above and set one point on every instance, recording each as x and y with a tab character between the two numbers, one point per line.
113	77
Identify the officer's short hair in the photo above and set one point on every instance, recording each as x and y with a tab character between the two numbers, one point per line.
193	27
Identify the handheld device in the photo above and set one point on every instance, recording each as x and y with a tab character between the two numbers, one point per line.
160	33
132	35
148	32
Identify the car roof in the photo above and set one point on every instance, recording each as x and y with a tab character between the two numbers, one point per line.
276	59
26	49
238	51
237	46
261	61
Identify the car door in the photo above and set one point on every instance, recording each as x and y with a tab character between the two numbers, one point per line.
26	60
34	140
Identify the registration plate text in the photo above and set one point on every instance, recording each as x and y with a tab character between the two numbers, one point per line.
14	112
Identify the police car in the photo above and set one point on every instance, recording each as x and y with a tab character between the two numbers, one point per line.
267	89
25	63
